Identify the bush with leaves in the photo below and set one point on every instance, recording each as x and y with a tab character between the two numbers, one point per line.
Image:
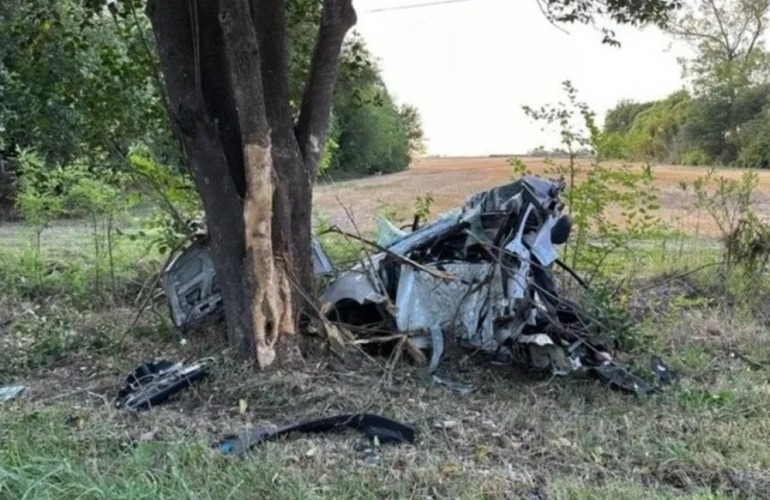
620	118
78	82
726	125
745	236
653	134
178	205
729	202
101	199
371	134
41	198
595	190
694	157
611	145
50	193
754	138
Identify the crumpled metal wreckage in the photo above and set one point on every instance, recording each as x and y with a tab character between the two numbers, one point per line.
484	278
190	284
481	274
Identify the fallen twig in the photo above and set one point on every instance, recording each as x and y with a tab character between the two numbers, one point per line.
415	353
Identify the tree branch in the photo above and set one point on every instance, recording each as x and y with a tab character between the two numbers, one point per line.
548	17
680	31
759	16
337	18
739	36
726	38
269	18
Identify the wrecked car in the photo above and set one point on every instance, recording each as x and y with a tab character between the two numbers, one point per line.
482	275
190	285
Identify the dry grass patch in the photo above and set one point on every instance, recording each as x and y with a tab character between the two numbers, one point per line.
452	180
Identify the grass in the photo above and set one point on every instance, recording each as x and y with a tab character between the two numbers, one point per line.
519	435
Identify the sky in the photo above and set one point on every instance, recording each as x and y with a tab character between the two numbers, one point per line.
470	66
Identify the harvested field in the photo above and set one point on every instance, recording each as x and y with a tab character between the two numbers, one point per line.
451	180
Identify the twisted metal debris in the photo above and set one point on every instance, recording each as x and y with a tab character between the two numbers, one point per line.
481	275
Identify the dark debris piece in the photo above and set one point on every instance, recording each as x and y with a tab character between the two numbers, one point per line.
617	377
663	373
152	384
373	426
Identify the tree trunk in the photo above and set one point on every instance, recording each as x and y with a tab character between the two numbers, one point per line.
224	65
337	18
269	17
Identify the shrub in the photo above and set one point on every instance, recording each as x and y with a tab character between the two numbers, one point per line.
695	157
755	144
595	190
611	145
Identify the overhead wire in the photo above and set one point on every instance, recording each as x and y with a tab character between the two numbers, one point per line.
414	6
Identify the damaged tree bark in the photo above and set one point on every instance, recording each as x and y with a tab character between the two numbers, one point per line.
224	65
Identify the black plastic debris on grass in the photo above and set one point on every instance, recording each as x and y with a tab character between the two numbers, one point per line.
620	378
154	383
662	372
383	429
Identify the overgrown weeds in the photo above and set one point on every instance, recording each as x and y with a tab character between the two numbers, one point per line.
596	189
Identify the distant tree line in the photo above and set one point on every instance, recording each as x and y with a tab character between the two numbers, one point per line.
560	152
370	132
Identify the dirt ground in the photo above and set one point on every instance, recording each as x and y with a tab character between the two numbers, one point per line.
451	180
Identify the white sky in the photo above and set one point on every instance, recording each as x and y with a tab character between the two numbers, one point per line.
470	66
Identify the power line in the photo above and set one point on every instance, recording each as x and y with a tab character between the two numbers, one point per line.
414	6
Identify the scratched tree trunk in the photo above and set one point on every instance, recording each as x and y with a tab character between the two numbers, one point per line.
224	66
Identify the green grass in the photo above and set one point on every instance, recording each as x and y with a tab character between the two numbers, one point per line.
65	269
520	435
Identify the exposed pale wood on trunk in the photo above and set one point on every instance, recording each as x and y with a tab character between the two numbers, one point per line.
271	305
269	17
